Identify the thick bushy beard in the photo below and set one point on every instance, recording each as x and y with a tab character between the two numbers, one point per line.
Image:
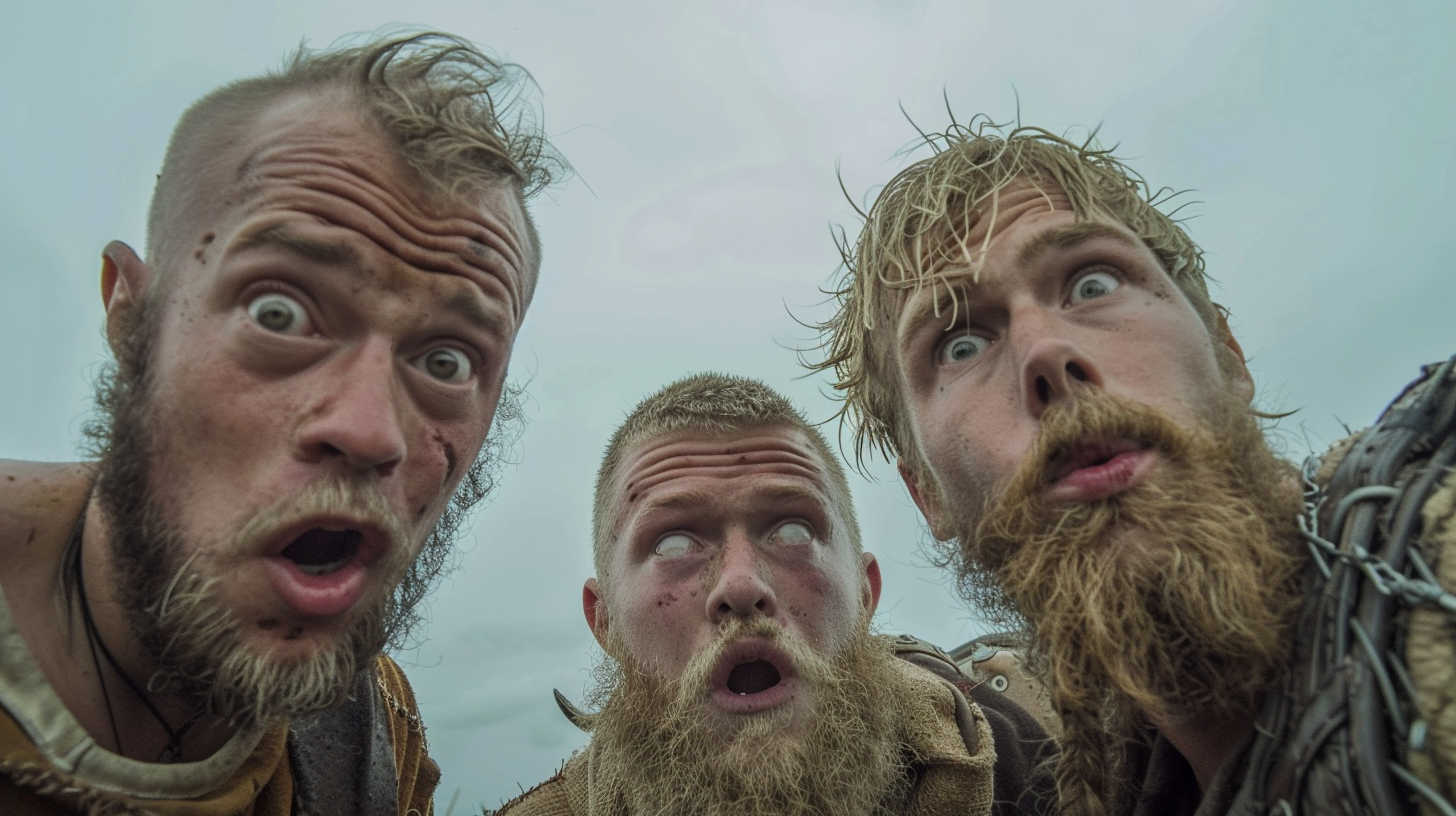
171	594
661	747
1170	601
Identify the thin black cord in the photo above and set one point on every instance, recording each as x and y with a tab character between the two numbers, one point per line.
75	547
173	749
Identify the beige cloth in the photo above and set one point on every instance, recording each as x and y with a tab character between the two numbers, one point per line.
948	737
1431	648
49	765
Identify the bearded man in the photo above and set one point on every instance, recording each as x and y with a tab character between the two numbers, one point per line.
306	370
733	601
1033	340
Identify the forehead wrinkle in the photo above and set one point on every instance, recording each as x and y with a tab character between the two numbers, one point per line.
337	253
427	241
1070	235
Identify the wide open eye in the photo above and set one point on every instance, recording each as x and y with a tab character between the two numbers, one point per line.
446	364
278	313
962	347
1092	286
676	545
791	534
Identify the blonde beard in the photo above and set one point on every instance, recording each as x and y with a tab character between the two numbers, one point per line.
660	749
1167	602
199	642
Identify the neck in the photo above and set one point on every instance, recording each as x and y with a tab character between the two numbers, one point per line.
1206	741
126	720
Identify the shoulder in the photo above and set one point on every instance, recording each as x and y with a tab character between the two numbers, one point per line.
546	799
40	501
1024	752
417	774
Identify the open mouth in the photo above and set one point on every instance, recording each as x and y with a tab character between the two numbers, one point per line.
753	677
323	550
1087	455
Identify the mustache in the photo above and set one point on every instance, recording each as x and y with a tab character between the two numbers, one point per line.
340	496
1088	420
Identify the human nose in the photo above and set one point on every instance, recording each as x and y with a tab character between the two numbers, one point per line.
356	417
739	587
1052	363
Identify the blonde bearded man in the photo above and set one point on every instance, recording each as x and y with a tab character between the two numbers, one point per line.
306	370
733	602
1033	340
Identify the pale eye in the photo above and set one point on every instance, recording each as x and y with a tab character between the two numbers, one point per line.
676	545
963	347
1092	286
446	364
278	312
792	534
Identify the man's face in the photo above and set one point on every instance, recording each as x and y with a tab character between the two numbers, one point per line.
719	529
1052	306
1100	468
329	350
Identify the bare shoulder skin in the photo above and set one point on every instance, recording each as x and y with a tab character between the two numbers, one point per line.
39	504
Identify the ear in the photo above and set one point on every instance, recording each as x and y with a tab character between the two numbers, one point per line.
1235	367
872	579
595	611
124	281
923	500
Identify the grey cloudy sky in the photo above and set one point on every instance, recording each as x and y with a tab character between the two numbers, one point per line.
706	135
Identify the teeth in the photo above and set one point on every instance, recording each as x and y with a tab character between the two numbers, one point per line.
323	569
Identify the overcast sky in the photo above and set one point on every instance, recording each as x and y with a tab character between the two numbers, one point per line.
706	136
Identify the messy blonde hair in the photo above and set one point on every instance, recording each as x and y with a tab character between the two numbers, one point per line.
712	403
917	230
460	122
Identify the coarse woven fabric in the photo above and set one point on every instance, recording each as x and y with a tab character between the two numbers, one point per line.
951	739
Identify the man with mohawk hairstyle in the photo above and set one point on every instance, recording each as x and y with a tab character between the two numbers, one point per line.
733	601
1025	331
308	366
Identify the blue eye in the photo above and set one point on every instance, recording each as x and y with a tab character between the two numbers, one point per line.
962	347
446	364
278	313
791	534
676	545
1092	286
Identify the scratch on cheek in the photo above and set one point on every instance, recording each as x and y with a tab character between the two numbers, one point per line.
294	634
451	460
268	625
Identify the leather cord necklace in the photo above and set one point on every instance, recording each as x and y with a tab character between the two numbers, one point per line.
172	751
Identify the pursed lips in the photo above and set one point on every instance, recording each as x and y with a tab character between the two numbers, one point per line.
1096	470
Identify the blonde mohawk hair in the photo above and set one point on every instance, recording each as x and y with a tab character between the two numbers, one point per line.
917	230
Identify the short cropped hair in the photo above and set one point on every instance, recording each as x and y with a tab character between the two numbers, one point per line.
918	227
712	403
460	121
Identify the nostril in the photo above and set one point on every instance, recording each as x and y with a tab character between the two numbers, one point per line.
1075	372
1043	390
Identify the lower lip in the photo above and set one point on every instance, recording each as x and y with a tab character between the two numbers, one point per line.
735	703
317	596
1101	481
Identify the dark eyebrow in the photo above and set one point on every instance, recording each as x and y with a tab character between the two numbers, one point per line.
329	252
1070	235
467	305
